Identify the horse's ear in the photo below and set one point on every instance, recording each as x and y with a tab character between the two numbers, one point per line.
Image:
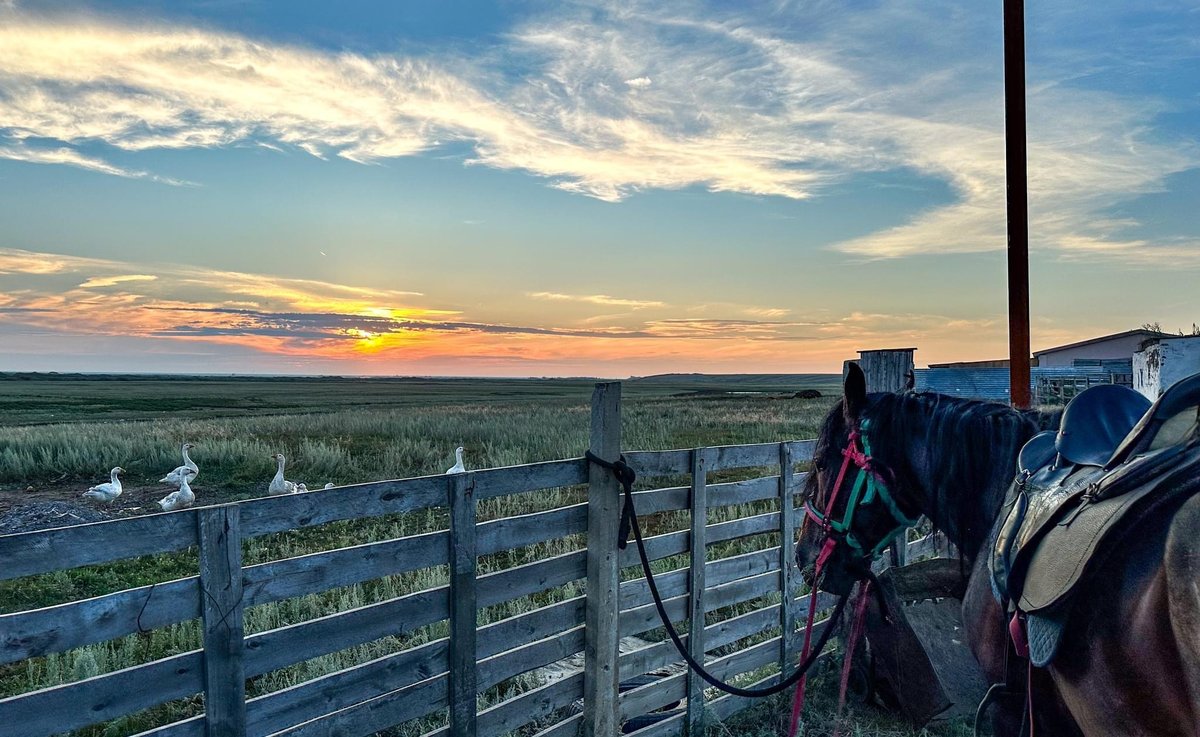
855	388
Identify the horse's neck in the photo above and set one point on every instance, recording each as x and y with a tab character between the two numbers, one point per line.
963	458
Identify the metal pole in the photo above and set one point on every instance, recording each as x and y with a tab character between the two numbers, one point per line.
1018	202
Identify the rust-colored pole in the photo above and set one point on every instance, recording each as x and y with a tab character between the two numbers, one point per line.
1018	202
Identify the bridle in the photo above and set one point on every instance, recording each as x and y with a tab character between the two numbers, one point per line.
869	488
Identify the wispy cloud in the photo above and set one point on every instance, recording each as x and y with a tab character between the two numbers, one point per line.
598	299
71	157
112	281
615	98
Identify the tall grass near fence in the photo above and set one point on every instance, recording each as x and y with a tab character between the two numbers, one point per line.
355	445
343	447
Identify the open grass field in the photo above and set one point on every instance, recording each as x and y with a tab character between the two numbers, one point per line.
59	435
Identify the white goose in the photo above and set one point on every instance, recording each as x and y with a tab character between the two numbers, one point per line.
107	492
280	485
458	466
329	485
189	470
181	499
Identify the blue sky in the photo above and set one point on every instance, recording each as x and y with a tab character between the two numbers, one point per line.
579	188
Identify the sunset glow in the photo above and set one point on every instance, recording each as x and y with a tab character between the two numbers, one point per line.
586	189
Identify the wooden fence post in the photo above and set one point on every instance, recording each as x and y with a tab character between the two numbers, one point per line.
698	542
463	561
787	558
221	594
600	706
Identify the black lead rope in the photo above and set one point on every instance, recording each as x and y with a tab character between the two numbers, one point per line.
629	521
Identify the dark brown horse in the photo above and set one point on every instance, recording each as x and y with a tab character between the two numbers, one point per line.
1129	663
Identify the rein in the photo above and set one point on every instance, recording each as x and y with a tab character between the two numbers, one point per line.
629	523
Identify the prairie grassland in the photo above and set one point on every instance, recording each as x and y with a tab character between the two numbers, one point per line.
347	445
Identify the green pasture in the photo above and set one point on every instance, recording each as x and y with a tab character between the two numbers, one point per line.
60	434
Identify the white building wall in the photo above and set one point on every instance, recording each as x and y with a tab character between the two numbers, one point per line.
1115	348
1164	363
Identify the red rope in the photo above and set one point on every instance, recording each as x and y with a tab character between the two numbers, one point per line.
813	595
851	455
856	633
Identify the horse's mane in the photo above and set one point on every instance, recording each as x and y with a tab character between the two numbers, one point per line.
965	454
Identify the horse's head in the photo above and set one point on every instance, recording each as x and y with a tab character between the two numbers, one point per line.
853	504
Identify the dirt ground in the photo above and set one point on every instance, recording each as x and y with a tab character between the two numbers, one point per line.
59	503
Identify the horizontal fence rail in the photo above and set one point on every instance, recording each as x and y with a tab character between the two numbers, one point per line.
485	631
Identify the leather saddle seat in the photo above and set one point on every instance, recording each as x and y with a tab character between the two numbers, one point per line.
1110	454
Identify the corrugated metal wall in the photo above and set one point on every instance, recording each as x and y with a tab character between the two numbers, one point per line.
992	383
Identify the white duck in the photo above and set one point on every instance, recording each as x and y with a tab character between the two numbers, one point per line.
280	485
189	470
107	492
458	466
329	485
181	499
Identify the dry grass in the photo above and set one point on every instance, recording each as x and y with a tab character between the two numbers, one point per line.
346	446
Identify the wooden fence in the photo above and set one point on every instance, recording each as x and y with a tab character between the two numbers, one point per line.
749	629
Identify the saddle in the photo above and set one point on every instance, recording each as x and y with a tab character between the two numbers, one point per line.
1114	460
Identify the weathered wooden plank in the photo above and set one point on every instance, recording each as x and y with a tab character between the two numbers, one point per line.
277	648
63	548
673	583
374	715
673	688
698	563
668	499
743	492
801	450
339	690
725	494
317	572
523	580
788	573
531	626
755	455
99	699
677	543
651	463
669	727
525	658
494	482
719	635
278	513
221	584
75	624
462	604
533	704
523	709
330	693
601	650
522	530
62	627
569	727
716	635
356	690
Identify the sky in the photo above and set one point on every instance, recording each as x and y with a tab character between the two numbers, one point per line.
580	188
